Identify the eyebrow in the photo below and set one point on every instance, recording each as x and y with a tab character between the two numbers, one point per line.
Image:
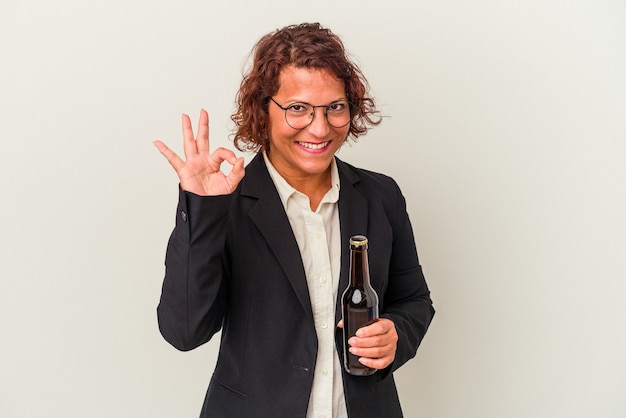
290	102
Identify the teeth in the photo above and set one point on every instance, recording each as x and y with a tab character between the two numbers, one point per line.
312	146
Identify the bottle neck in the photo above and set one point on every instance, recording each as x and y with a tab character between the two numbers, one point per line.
359	268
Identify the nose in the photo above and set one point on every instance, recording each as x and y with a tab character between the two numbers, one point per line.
319	126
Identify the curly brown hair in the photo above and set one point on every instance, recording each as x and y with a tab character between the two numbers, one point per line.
307	45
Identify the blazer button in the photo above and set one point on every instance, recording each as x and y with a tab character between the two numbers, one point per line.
183	215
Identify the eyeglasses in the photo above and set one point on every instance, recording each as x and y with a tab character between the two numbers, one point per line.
300	115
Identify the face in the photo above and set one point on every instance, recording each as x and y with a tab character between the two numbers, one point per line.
307	153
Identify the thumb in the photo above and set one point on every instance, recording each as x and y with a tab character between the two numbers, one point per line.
236	173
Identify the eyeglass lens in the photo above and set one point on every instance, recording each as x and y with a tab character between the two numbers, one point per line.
300	115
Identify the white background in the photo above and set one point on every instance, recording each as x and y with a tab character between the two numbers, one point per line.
506	132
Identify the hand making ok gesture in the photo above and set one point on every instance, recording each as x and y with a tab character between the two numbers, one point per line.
200	172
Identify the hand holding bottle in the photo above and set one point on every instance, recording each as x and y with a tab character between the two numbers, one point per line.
375	344
200	172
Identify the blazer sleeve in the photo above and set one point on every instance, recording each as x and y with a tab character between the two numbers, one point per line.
407	299
194	292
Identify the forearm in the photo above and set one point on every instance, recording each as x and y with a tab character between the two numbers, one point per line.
194	290
411	320
407	301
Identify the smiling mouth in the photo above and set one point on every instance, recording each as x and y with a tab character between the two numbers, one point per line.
314	146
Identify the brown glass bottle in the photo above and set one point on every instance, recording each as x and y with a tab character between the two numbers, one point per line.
359	303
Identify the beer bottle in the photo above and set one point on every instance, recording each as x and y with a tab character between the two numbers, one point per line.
359	303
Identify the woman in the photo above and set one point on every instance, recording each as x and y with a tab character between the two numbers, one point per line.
264	257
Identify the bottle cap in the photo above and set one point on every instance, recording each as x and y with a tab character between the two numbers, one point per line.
358	241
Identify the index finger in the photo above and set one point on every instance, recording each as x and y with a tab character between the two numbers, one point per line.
382	326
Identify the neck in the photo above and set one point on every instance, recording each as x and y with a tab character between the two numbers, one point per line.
315	187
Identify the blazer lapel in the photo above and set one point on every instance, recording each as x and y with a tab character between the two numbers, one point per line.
270	218
353	215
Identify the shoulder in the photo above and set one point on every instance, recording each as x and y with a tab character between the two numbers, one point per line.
367	180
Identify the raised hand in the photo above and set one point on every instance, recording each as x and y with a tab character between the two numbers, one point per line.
200	172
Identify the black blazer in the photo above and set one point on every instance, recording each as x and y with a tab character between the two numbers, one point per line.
233	264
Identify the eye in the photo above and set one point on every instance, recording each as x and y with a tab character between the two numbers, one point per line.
337	107
298	108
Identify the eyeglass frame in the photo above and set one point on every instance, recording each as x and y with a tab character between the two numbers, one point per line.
285	109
